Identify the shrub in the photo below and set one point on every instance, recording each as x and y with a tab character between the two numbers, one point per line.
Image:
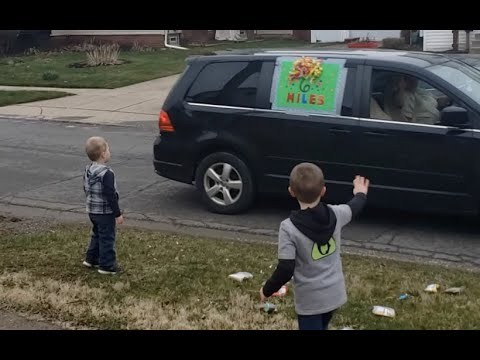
137	47
393	43
106	54
50	75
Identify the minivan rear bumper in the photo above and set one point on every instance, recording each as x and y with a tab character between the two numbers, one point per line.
172	171
167	161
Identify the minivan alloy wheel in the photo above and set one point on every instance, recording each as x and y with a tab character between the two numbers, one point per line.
223	184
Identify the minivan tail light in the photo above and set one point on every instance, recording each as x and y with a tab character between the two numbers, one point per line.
164	122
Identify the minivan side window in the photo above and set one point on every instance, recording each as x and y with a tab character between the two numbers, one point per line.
227	83
404	98
348	93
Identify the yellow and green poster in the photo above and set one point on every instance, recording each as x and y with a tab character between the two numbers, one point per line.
308	84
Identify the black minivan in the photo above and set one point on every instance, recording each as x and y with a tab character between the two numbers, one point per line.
236	125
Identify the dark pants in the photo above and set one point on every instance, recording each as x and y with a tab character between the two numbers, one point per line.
101	250
314	322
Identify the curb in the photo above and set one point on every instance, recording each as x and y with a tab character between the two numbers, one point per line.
77	122
66	213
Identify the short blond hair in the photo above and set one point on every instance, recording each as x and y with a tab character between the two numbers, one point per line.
307	182
95	146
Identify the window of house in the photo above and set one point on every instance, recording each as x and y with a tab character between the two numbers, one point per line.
227	83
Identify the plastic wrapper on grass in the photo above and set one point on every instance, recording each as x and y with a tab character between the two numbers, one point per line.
383	311
241	276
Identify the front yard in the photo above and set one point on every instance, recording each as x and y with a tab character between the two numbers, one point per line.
21	96
137	66
180	282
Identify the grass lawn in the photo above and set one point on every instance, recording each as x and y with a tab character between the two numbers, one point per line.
138	66
180	282
17	97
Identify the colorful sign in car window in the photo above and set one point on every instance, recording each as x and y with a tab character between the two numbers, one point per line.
308	84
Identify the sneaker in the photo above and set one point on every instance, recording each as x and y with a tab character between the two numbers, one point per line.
111	271
89	264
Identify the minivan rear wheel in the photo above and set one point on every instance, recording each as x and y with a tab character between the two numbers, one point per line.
225	183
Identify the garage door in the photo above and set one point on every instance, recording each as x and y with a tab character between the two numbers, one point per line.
374	34
329	35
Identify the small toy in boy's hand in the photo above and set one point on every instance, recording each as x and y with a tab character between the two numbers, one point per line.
282	292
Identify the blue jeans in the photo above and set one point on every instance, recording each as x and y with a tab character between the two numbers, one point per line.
101	250
314	322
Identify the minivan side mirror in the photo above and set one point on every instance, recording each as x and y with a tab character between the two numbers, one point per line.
454	116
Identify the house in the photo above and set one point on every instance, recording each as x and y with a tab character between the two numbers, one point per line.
433	40
151	38
156	38
342	35
442	40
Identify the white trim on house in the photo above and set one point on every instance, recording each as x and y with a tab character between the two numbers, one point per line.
105	32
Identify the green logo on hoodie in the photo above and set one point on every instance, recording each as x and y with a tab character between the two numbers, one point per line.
324	250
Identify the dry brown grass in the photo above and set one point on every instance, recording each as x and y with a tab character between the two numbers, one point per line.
181	282
89	305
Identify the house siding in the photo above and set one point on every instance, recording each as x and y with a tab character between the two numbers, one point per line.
105	32
376	35
302	34
152	38
274	32
442	40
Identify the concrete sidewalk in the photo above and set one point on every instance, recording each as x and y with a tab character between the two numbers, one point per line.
128	105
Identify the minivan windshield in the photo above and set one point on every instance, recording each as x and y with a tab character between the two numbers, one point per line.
463	77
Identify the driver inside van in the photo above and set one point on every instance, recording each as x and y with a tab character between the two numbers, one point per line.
419	105
393	100
404	101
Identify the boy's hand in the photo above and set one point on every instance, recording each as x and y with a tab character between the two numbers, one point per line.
119	220
360	185
262	297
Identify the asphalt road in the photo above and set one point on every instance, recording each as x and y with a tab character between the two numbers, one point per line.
42	163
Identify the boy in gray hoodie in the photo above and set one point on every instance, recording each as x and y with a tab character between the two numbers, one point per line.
309	244
102	207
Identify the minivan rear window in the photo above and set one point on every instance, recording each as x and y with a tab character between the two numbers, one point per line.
227	83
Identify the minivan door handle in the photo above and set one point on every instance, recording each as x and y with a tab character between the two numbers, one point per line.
339	131
377	133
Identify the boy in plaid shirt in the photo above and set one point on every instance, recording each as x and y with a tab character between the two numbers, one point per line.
102	207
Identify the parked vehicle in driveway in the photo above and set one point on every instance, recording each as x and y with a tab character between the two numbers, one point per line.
235	126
